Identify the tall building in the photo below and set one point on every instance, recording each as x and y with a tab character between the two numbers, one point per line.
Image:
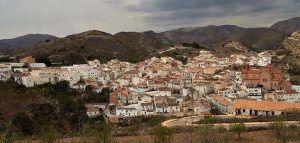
267	77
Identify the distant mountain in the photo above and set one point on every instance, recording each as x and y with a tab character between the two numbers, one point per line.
214	37
25	41
157	36
77	48
287	26
136	46
256	39
203	35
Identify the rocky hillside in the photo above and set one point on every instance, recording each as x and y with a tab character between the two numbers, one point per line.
287	26
77	48
256	39
291	50
233	47
25	41
293	43
205	36
214	37
289	55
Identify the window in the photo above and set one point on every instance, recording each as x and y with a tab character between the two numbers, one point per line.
265	80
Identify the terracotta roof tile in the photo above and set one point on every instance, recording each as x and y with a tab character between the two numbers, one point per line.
266	105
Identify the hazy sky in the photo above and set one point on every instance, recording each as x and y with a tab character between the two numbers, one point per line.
64	17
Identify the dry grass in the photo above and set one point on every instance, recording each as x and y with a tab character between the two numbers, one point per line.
264	136
13	101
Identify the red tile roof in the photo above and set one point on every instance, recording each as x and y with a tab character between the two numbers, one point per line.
265	105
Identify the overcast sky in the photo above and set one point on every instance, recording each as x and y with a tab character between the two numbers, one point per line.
65	17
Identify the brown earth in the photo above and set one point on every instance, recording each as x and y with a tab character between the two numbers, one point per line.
264	136
13	99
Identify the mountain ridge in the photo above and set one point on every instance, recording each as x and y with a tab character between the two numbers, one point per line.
94	44
24	41
287	26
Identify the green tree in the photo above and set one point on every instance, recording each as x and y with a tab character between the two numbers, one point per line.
89	89
238	128
162	134
43	58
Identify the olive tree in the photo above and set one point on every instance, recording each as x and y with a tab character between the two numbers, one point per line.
238	128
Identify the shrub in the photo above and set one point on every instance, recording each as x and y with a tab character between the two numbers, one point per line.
162	135
23	123
238	128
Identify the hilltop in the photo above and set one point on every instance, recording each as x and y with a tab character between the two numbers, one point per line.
256	39
137	46
25	41
93	44
287	26
205	36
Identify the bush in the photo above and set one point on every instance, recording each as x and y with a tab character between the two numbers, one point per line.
193	45
43	58
42	114
154	120
238	128
23	123
104	134
280	130
49	134
162	135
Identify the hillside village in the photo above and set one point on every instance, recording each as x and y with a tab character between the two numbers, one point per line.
237	85
150	71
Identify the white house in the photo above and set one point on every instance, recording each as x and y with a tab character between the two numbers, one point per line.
5	67
37	65
263	108
79	85
287	96
254	92
4	76
225	92
100	106
147	109
27	81
145	98
20	70
201	106
222	103
203	88
264	59
126	112
141	87
92	112
163	91
94	63
166	105
296	88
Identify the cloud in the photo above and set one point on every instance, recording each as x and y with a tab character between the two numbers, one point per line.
64	17
189	12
